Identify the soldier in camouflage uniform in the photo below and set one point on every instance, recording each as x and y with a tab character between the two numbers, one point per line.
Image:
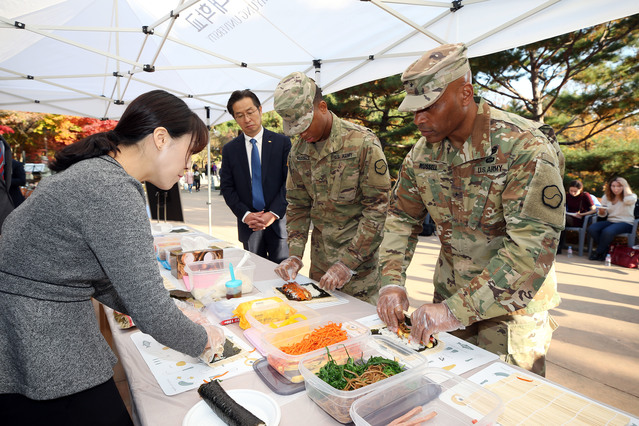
338	180
492	182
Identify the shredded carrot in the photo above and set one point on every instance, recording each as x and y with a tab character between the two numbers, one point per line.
219	375
316	339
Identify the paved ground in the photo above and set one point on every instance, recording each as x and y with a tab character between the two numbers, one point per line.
595	351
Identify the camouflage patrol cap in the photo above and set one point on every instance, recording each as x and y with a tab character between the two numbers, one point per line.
294	102
426	79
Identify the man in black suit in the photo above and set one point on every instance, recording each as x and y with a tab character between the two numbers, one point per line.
6	204
253	179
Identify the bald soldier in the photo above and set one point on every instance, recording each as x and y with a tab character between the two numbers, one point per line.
338	180
492	182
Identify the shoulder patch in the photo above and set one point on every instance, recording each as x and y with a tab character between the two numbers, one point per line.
380	167
552	197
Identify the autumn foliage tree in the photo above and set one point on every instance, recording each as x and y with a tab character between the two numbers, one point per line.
581	83
36	135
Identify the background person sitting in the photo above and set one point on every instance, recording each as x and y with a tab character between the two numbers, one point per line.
617	212
579	203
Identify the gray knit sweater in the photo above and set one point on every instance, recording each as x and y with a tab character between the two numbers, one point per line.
83	233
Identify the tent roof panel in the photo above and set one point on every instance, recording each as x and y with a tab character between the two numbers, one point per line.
72	57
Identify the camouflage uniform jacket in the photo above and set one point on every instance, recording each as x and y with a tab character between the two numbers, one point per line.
498	205
343	189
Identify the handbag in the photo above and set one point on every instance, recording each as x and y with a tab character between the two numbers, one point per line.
623	255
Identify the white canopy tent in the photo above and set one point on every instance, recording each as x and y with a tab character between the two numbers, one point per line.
91	57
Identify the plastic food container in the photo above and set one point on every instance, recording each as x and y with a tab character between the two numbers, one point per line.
337	402
206	280
456	401
162	242
289	365
223	309
269	315
166	255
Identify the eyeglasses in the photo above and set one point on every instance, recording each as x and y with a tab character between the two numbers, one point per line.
249	113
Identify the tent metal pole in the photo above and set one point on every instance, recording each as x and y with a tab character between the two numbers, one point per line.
208	167
172	15
224	58
84	47
512	22
382	53
408	21
317	63
48	102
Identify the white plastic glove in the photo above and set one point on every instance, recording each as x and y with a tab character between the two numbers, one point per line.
215	345
214	333
432	318
288	268
392	303
336	276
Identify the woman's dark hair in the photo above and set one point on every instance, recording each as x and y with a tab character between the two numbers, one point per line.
238	95
576	184
146	113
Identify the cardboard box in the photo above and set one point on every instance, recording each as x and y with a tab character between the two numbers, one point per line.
179	258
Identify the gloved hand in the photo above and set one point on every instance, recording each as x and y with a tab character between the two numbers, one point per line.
392	303
336	276
432	318
214	333
216	338
288	269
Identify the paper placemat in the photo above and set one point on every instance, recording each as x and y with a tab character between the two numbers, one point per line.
528	399
176	372
458	356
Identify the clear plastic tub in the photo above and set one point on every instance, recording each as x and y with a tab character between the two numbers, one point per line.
456	401
162	242
288	365
270	315
223	309
166	255
206	279
337	402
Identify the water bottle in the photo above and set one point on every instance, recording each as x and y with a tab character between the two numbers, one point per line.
608	259
569	254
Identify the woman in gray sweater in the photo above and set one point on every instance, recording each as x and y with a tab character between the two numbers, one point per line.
84	234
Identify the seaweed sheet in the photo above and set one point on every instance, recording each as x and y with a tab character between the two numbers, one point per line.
323	294
229	353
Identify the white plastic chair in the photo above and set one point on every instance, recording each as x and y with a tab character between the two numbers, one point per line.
582	233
